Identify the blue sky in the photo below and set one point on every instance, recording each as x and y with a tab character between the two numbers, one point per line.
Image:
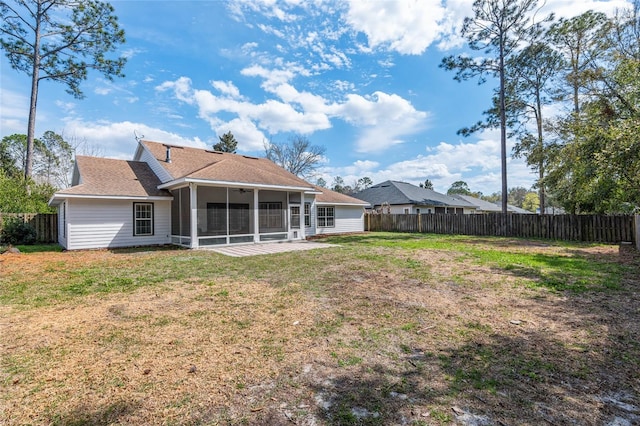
358	77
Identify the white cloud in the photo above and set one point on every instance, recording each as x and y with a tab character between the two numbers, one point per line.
102	90
15	109
411	26
383	119
117	139
408	27
249	137
476	163
227	88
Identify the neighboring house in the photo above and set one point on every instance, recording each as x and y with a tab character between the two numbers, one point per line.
404	198
552	210
194	198
483	206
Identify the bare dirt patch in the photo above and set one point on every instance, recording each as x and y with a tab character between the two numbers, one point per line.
421	337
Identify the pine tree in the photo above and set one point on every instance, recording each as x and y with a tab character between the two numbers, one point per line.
228	143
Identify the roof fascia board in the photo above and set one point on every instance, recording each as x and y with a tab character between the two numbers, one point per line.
232	184
57	197
326	203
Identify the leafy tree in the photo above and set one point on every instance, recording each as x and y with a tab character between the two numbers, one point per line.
516	196
298	156
15	198
53	157
364	183
56	160
459	187
321	182
496	30
59	40
531	202
338	185
582	42
7	162
532	71
427	184
596	165
228	143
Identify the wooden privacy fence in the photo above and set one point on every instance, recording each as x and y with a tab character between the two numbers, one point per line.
590	228
45	224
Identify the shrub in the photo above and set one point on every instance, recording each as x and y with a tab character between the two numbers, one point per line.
15	231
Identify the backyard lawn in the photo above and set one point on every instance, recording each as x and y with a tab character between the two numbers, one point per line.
383	329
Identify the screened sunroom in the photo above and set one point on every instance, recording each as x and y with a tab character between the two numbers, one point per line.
207	215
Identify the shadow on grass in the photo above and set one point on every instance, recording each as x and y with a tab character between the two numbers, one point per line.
489	380
40	248
112	413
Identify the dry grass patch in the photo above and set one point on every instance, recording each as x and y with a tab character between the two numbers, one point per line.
174	352
387	329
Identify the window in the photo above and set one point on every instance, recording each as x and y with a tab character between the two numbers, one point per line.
271	215
417	211
326	217
406	211
307	215
143	219
295	217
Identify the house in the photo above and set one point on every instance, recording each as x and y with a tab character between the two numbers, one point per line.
483	206
194	198
404	198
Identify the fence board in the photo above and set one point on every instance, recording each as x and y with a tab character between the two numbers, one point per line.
588	228
45	224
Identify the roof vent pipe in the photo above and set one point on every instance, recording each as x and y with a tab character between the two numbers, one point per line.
168	159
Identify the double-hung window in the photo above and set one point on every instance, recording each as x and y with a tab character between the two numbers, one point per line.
142	219
295	217
326	217
307	215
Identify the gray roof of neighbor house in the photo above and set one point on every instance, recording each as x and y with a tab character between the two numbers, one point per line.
105	177
200	164
481	205
487	206
394	192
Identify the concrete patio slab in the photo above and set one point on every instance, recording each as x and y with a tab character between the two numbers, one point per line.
269	248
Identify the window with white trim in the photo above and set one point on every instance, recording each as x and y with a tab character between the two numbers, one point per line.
295	217
307	215
142	219
326	217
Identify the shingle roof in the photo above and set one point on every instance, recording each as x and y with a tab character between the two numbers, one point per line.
482	205
328	197
195	163
394	192
119	178
487	206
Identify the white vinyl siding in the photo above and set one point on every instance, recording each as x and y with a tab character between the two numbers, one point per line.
110	223
346	219
154	164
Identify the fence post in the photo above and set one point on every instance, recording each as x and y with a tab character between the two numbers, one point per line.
637	231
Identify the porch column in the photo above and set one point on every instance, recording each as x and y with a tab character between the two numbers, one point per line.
193	204
256	217
302	236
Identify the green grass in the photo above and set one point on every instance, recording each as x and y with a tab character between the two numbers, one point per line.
558	271
371	254
35	248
